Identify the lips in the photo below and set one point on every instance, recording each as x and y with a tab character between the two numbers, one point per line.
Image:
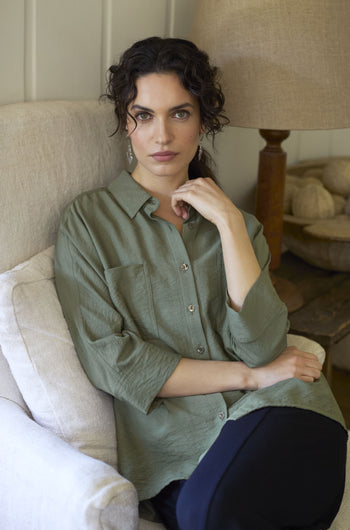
164	156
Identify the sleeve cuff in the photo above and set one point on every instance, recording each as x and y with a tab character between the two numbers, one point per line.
260	307
155	367
134	378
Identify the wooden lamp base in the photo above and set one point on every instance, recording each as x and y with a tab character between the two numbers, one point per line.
269	208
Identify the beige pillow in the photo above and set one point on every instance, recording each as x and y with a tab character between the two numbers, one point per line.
311	346
36	342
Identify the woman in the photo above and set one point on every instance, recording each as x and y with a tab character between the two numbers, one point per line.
165	286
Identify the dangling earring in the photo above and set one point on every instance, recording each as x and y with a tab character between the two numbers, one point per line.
200	149
129	153
200	152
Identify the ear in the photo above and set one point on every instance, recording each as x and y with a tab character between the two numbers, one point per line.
202	129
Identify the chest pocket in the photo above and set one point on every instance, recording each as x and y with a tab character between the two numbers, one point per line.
131	293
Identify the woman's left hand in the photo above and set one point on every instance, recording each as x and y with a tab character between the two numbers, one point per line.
241	266
291	363
206	197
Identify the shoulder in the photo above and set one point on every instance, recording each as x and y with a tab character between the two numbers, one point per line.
88	204
84	201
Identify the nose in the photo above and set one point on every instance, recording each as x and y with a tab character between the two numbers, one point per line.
163	133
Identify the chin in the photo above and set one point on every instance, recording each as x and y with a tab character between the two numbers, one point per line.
168	170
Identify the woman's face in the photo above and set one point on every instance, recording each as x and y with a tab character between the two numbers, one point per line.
168	127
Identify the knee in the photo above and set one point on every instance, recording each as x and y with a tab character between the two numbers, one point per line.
196	515
210	508
191	509
187	512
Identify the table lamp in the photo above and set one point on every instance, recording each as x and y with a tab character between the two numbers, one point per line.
285	65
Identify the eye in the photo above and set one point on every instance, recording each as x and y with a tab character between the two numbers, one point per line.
143	116
181	114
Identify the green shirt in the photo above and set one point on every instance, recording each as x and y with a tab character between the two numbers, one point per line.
137	297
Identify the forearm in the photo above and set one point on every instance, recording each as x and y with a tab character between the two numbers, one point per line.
193	377
241	265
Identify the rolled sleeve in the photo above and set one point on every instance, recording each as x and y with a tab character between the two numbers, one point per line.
257	333
115	359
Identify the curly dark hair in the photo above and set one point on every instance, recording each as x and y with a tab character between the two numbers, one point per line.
170	55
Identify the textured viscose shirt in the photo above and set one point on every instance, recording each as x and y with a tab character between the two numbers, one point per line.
138	296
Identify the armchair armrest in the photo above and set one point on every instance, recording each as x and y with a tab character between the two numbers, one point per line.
46	483
308	345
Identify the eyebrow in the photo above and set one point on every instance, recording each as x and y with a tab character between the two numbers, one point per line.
177	107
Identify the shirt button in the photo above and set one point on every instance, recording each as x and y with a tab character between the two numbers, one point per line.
222	415
200	349
184	267
191	308
191	225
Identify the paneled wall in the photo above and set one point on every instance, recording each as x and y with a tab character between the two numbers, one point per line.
61	49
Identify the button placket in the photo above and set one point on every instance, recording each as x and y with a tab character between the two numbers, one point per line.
181	252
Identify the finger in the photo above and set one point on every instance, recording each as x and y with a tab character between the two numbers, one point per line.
307	379
182	199
312	372
318	366
311	356
195	186
316	374
314	363
307	368
312	359
180	208
184	212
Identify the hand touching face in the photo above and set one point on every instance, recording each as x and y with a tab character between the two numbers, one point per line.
206	197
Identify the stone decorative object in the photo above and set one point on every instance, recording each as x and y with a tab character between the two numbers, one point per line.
317	212
313	201
289	191
339	204
336	176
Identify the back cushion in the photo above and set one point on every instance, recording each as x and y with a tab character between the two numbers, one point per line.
36	342
49	152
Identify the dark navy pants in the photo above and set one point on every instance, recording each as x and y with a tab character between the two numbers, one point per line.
275	468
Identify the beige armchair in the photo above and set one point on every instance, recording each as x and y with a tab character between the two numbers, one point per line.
58	453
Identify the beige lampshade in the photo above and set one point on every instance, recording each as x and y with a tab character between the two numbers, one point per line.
285	63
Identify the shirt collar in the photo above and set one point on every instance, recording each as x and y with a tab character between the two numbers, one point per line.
132	197
129	195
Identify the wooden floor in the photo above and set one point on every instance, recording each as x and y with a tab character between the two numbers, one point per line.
341	390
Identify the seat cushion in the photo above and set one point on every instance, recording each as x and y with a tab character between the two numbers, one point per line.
36	342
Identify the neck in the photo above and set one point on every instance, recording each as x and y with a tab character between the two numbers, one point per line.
160	187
